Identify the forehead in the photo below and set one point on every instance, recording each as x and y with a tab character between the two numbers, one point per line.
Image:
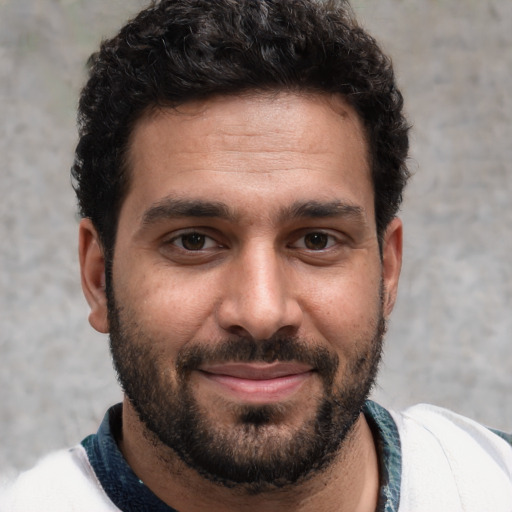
278	148
302	118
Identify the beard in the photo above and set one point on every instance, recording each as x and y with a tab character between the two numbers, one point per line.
258	450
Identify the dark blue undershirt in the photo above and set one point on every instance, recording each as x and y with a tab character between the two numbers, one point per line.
130	494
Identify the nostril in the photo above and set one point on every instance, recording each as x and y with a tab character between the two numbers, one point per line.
238	331
262	331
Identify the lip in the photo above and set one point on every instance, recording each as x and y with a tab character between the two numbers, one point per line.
257	382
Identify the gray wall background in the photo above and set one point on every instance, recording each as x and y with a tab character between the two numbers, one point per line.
450	338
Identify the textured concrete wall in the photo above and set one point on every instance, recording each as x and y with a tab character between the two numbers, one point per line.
450	338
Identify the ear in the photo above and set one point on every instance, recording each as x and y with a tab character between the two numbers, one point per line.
391	263
92	272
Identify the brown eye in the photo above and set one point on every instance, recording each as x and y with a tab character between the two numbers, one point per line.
192	241
316	241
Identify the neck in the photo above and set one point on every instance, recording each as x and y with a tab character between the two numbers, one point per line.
350	483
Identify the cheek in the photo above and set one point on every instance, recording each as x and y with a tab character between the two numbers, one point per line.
163	302
345	308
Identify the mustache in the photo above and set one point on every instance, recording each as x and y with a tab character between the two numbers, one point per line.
247	350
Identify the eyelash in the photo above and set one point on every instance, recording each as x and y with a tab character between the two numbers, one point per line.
322	236
181	236
329	239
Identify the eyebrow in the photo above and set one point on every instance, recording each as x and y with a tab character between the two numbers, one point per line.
172	208
321	210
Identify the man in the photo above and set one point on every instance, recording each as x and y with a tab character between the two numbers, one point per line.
239	172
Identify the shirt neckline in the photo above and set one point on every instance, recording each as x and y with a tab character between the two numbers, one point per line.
130	494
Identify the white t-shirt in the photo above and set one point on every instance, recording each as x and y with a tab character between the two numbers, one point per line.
431	460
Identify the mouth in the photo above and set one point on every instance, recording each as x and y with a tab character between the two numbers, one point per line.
257	383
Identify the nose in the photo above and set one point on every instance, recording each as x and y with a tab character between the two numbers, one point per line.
259	300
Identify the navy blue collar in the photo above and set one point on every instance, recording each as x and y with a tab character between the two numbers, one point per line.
389	451
120	483
130	494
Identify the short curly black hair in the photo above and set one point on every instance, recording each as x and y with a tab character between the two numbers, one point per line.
180	50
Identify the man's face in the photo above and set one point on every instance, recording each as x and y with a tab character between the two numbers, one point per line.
248	294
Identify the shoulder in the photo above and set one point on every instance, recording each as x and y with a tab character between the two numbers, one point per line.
453	459
61	481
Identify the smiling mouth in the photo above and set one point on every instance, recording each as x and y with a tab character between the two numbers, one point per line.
257	383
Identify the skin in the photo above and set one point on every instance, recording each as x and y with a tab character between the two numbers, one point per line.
257	274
